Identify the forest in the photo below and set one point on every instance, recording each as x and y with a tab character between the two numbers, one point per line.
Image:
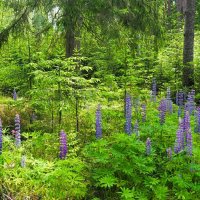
99	99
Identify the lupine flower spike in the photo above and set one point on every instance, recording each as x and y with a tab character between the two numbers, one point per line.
14	94
1	137
128	114
180	101
162	109
148	146
154	90
98	123
169	101
17	131
186	122
189	143
180	98
179	141
190	105
184	136
63	145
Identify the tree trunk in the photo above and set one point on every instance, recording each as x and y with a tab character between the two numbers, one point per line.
188	51
181	6
169	8
70	41
73	35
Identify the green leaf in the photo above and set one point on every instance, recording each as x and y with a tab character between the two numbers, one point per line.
108	181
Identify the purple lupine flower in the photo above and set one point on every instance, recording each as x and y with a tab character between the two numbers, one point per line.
186	122
17	131
169	152
187	133
98	123
169	101
180	98
14	94
179	101
1	137
162	109
148	146
182	133
154	90
144	113
190	105
136	128
63	145
179	141
23	161
189	142
128	114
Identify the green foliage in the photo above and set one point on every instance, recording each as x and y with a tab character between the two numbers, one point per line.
119	162
115	47
44	176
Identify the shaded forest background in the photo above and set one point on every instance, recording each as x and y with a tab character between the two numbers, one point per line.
72	50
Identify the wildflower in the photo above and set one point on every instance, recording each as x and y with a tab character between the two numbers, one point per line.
63	145
154	90
179	141
184	136
190	105
179	101
180	98
182	133
169	101
14	94
128	114
1	137
148	146
98	123
162	109
189	143
17	131
186	122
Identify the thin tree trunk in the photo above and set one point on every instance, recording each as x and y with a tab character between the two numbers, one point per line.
169	7
60	99
188	51
77	115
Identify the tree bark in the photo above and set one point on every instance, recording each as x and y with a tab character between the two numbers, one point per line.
70	41
181	5
188	50
169	8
